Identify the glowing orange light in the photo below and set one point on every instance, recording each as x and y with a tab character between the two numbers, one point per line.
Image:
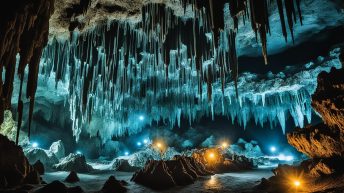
224	145
212	155
159	145
297	183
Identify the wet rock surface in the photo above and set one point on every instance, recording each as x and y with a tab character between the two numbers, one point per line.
73	162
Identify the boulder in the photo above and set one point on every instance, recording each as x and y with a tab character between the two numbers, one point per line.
58	149
155	175
39	167
14	166
74	162
123	166
47	158
163	174
113	186
72	177
139	158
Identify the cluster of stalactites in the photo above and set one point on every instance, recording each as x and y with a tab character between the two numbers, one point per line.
256	11
159	67
24	28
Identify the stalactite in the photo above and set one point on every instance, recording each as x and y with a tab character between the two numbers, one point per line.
118	66
24	29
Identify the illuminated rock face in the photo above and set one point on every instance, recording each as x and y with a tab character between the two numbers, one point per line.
324	140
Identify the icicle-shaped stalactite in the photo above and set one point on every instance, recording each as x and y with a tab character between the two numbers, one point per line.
24	29
167	67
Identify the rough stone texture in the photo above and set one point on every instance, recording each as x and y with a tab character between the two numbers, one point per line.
317	141
74	162
72	177
71	14
58	149
161	174
123	166
47	158
112	185
328	99
323	143
327	139
14	166
39	167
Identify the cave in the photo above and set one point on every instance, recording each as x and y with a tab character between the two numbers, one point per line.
171	96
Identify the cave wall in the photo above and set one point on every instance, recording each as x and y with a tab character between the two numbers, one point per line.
324	140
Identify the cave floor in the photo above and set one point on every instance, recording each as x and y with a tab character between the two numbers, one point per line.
228	182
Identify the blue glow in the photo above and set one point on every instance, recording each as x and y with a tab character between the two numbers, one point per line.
145	141
139	143
141	117
78	152
126	153
34	144
273	149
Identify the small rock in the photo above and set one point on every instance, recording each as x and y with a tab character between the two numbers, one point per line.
32	178
39	167
72	177
112	185
58	149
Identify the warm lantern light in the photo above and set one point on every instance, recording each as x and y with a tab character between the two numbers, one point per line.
224	145
211	155
297	183
159	145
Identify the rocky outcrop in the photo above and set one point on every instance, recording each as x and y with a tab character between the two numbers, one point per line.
161	174
58	149
326	139
112	185
47	158
74	162
318	141
72	177
14	166
39	167
323	143
123	165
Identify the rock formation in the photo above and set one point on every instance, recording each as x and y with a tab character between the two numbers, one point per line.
58	149
112	185
74	162
123	166
323	143
39	167
14	166
72	177
161	174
